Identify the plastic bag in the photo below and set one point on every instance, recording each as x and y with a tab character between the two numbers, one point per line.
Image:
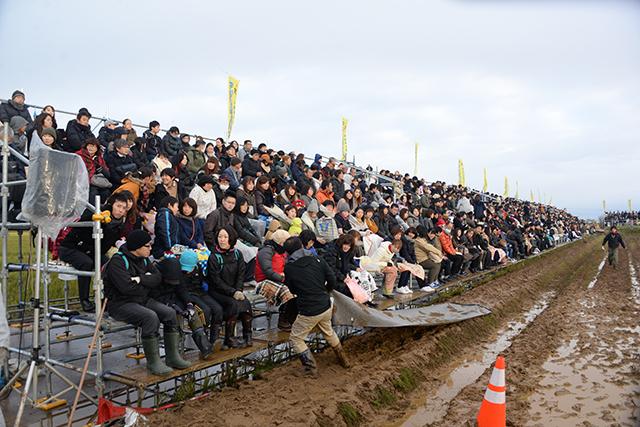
49	201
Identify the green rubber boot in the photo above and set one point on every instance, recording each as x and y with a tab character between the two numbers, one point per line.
152	354
172	355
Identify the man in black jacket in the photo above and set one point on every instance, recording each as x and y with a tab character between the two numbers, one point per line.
171	143
77	248
129	277
311	279
15	107
613	240
78	131
153	139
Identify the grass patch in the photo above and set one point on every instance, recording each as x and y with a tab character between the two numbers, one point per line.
383	397
351	416
186	390
407	381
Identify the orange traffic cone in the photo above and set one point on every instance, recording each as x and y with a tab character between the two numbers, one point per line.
493	412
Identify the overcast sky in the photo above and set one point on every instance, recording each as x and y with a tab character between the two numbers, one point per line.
546	93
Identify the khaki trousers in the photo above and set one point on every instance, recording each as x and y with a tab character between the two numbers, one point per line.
305	324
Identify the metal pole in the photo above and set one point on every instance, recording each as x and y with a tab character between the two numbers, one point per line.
4	234
45	318
35	334
98	293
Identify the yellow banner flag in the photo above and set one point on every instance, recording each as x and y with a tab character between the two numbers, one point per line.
345	122
461	173
506	187
531	195
604	206
415	163
630	209
485	186
517	190
233	94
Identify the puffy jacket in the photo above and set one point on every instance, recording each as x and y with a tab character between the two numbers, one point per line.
95	164
250	167
214	222
119	166
246	231
106	136
77	134
225	271
206	201
170	145
270	265
197	159
426	251
341	263
311	279
264	198
11	109
166	232
119	271
170	293
447	244
153	144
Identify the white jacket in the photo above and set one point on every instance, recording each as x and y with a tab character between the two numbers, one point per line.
206	201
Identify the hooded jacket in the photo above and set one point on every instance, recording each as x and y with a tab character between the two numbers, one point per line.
11	109
166	232
118	273
311	279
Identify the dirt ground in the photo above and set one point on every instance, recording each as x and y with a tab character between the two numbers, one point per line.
571	355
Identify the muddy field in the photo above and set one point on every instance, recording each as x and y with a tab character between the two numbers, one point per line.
568	331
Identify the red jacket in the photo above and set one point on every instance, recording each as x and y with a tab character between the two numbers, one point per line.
277	264
92	163
447	244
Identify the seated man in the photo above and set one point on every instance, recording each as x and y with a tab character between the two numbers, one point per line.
128	278
166	227
78	248
311	279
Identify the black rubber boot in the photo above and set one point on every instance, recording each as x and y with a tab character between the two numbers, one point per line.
203	344
230	340
247	331
214	334
309	364
152	354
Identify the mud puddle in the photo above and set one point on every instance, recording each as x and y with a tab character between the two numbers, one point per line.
468	373
595	279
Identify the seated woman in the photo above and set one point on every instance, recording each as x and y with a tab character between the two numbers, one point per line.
189	225
339	255
128	278
243	226
382	261
204	196
264	198
225	277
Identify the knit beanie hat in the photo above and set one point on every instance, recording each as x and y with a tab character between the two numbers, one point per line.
137	239
17	122
343	205
280	236
50	131
170	270
17	93
188	261
313	206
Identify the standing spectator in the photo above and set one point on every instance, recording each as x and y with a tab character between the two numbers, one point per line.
311	279
153	139
78	131
171	143
15	107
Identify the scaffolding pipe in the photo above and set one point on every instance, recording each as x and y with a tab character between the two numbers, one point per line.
5	206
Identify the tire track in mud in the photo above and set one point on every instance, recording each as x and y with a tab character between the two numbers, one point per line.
577	364
390	366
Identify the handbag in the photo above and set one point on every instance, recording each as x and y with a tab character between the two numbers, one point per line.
100	181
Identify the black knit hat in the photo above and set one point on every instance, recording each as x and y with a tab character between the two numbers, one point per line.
17	93
137	239
170	270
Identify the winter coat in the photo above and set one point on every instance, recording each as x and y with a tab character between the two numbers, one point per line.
77	134
119	165
170	145
206	201
250	167
234	178
106	136
408	251
153	144
426	251
270	265
161	192
340	262
447	244
170	293
225	271
464	205
190	231
139	155
214	222
81	238
264	198
11	109
197	159
118	284
166	233
251	200
245	230
311	280
613	241
95	164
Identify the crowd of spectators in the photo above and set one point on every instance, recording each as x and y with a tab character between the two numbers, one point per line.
242	201
621	218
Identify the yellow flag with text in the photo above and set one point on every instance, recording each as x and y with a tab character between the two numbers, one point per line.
630	209
345	122
517	190
233	94
506	187
531	195
485	186
461	173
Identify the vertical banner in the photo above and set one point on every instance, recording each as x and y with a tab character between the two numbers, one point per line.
233	94
517	190
345	122
506	187
415	161
485	185
531	196
630	210
604	206
461	173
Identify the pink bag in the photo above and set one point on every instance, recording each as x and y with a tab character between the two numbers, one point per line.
359	294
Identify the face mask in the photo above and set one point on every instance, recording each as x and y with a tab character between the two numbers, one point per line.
224	187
